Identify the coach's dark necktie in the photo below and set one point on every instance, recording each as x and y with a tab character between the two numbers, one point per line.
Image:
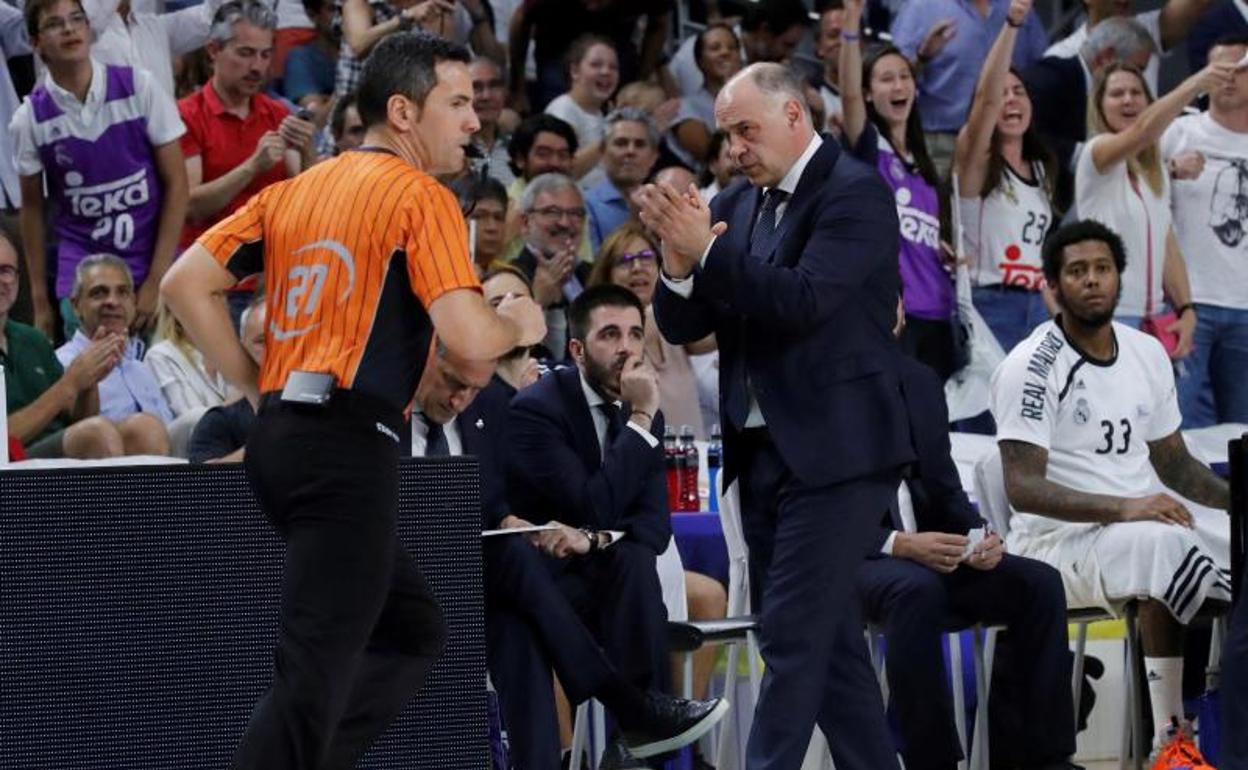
615	421
436	444
762	240
761	244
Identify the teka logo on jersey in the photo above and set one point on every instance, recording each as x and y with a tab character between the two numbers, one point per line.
917	226
110	197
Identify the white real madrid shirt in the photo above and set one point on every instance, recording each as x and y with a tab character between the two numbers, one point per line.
1094	417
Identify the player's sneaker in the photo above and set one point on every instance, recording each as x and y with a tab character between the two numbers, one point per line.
1178	751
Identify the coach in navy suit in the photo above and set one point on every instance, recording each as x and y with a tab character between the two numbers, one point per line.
918	586
531	626
798	279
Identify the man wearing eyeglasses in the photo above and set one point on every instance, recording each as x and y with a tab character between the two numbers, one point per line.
552	217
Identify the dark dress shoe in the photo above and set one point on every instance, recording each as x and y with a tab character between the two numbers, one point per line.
670	723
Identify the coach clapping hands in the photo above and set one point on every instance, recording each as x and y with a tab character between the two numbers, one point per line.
682	221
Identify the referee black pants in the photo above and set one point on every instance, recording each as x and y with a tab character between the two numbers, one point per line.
359	627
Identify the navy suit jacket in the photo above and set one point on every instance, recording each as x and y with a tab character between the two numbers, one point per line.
556	470
810	323
940	504
483	432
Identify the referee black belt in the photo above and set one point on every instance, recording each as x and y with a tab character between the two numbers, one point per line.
343	403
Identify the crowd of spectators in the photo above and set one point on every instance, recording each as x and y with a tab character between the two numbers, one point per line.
133	129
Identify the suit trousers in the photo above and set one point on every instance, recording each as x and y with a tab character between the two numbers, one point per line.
616	593
359	626
530	628
806	545
915	605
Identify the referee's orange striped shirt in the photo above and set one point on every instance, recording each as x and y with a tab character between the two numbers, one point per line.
354	250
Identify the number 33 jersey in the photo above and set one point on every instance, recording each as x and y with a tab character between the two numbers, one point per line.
1094	417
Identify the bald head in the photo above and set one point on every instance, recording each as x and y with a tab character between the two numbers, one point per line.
764	114
774	81
678	177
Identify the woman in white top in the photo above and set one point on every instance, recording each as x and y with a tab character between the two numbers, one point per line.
1120	181
594	72
1004	175
180	370
718	54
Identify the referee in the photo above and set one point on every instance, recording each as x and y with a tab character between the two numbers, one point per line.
365	256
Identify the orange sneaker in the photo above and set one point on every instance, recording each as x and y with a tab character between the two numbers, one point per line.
1179	751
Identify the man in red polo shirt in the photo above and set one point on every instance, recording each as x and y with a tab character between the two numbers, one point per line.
238	140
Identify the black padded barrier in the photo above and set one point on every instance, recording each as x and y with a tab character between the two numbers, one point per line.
138	610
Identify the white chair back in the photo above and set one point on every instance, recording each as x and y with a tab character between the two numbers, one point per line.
738	552
1209	444
994	503
672	579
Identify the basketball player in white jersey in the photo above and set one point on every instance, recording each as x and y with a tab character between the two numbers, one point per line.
1105	489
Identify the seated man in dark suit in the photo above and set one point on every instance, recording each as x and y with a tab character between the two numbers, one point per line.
221	434
927	585
583	449
530	626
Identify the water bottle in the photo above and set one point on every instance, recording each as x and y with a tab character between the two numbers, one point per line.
671	457
689	473
714	458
